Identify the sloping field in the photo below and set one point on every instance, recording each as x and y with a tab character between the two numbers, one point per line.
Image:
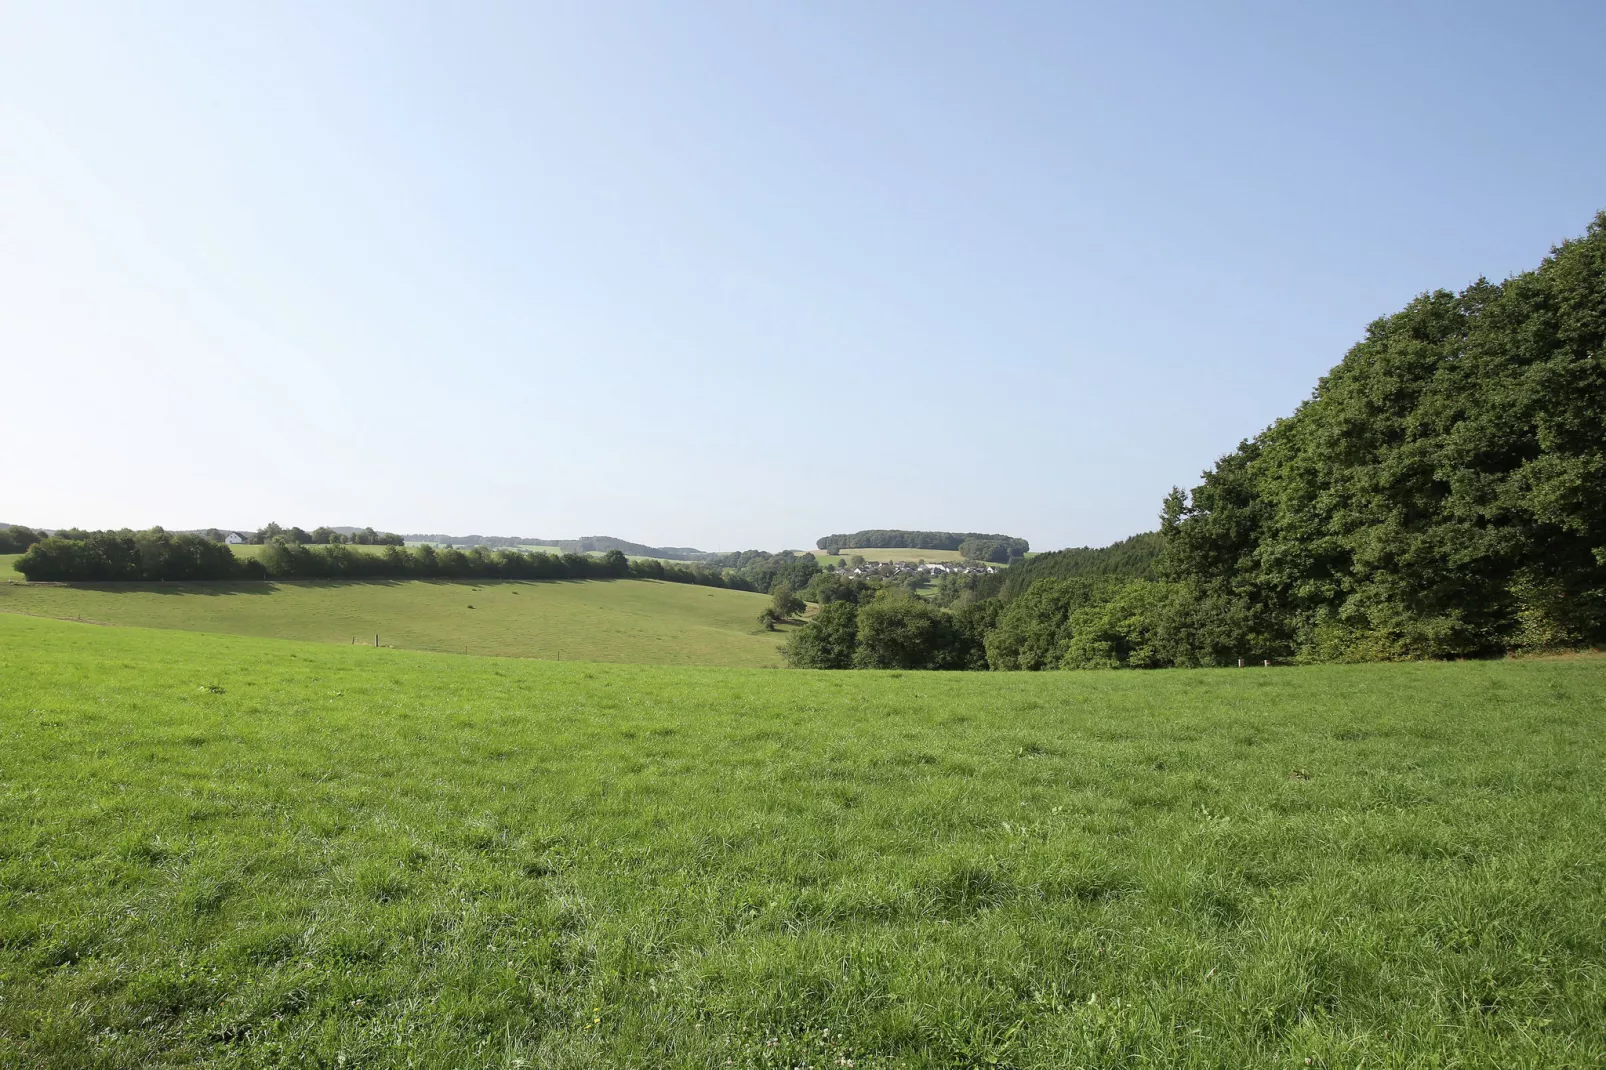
217	851
640	621
7	572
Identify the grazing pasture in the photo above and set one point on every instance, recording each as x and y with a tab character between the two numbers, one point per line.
640	621
7	572
223	851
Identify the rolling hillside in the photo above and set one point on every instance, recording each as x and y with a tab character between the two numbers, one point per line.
622	620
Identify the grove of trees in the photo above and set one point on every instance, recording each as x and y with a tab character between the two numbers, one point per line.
16	538
980	547
157	555
759	570
118	556
323	536
892	630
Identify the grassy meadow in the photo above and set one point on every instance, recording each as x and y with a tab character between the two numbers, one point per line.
225	851
641	621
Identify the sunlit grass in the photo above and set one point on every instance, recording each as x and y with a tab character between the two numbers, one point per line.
225	851
619	620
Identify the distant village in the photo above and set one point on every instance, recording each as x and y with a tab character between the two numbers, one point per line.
928	570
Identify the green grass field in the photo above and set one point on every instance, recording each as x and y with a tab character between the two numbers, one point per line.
639	621
7	572
221	851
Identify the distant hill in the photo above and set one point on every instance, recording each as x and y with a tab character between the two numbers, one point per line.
490	542
1131	558
586	544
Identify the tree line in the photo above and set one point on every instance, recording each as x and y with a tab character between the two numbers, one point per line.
15	538
289	553
1441	494
972	545
157	555
324	536
116	556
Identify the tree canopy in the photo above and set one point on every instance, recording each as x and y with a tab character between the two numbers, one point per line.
1131	558
15	539
1441	494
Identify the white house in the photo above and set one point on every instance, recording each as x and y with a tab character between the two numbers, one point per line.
233	538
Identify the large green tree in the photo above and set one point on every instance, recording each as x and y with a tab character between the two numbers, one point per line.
826	642
1442	493
784	602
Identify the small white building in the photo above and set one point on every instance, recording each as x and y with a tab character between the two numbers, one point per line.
233	538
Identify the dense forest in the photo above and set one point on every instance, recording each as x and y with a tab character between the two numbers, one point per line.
974	546
1441	494
1132	558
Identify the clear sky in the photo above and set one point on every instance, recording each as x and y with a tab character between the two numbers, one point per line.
737	274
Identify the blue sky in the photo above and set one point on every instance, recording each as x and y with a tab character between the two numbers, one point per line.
733	275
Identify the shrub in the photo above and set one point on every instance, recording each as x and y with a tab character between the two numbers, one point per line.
826	642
